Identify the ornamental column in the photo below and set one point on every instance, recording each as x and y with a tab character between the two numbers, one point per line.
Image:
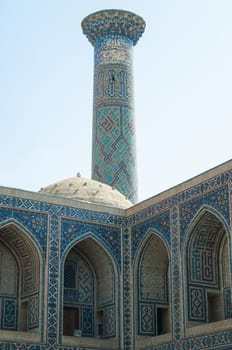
113	33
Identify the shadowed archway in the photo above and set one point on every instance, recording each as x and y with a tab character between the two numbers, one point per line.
208	290
20	265
90	301
153	287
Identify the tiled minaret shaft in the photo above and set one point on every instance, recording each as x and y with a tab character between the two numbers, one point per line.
113	33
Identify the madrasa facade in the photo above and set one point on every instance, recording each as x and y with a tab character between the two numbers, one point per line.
84	266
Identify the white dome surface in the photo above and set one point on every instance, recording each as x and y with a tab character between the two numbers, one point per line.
88	190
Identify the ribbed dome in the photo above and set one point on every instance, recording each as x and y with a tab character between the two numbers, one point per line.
87	190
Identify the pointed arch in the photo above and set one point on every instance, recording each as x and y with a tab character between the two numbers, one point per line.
21	310
152	281
95	238
205	209
98	317
207	268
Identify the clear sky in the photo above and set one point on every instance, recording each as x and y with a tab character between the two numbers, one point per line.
183	86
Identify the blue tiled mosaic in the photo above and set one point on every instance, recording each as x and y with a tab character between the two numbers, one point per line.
73	230
113	34
158	224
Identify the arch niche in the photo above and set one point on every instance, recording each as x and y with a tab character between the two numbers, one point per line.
208	289
20	264
153	287
89	295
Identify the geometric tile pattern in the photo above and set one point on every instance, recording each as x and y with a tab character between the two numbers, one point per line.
215	193
147	319
177	300
104	271
9	314
85	285
169	346
197	306
205	240
104	23
159	223
10	205
33	315
53	278
203	266
108	236
8	281
127	292
53	229
153	262
152	284
34	223
113	152
113	34
217	200
106	281
87	321
109	322
69	276
85	291
19	259
21	245
219	341
228	303
114	160
82	291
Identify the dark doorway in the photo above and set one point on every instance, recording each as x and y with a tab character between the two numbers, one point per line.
100	324
162	315
70	320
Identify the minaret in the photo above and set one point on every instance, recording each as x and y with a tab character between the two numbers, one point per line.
113	33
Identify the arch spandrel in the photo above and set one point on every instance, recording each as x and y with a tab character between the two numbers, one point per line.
196	218
73	231
159	224
146	237
28	234
215	201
